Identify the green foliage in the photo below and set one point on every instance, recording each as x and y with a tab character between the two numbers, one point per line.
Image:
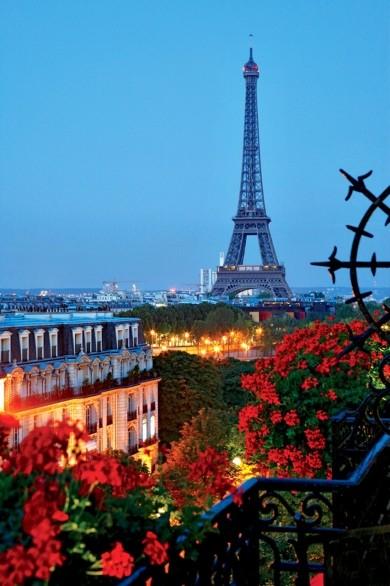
195	319
231	370
210	427
188	384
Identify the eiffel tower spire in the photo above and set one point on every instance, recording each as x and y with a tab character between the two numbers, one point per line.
251	200
251	218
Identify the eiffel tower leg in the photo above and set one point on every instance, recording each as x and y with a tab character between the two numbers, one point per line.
266	246
236	252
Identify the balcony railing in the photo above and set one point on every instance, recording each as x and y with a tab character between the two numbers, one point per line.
288	530
57	395
148	442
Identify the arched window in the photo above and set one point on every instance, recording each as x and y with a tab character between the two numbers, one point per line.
132	442
152	426
132	407
91	419
109	410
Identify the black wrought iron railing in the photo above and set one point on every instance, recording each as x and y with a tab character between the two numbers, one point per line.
287	530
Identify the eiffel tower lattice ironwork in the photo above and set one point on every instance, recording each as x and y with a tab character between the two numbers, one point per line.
251	218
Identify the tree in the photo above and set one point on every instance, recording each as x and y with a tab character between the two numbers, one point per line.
231	371
203	439
188	383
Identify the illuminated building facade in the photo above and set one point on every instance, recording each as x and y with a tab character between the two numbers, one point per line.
88	367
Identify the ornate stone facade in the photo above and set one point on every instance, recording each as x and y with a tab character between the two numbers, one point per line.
104	379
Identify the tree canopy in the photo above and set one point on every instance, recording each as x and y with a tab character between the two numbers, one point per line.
204	318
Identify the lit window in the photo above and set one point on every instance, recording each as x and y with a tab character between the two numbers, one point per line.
153	425
144	429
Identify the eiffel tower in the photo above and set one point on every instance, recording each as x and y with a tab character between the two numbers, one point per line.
251	218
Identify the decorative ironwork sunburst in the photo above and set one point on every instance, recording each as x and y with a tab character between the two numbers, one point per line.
374	402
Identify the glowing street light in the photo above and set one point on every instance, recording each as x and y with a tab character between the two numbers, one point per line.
237	461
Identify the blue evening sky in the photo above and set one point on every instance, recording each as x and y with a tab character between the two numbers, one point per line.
121	134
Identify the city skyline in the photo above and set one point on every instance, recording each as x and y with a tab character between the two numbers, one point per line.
121	146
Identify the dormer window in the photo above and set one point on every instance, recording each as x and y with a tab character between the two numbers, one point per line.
126	336
53	335
98	338
5	347
119	337
134	331
88	339
39	337
24	345
122	336
77	340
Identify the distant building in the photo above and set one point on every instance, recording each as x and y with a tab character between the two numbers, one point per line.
88	367
207	280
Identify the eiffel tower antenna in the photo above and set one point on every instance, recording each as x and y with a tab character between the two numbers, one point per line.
251	218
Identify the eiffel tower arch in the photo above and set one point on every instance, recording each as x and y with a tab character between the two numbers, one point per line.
251	218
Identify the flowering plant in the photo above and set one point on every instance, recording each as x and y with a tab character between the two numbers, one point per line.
68	515
296	392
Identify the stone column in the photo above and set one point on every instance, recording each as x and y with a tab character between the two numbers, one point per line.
120	419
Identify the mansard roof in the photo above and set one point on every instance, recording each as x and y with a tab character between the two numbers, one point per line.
30	320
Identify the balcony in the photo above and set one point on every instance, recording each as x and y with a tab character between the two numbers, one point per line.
57	395
148	442
290	530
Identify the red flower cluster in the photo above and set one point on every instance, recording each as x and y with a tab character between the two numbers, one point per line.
16	566
50	448
117	562
50	480
315	439
303	384
100	469
154	549
309	383
45	502
291	418
210	473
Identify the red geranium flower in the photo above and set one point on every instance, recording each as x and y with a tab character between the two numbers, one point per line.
117	562
16	566
154	549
